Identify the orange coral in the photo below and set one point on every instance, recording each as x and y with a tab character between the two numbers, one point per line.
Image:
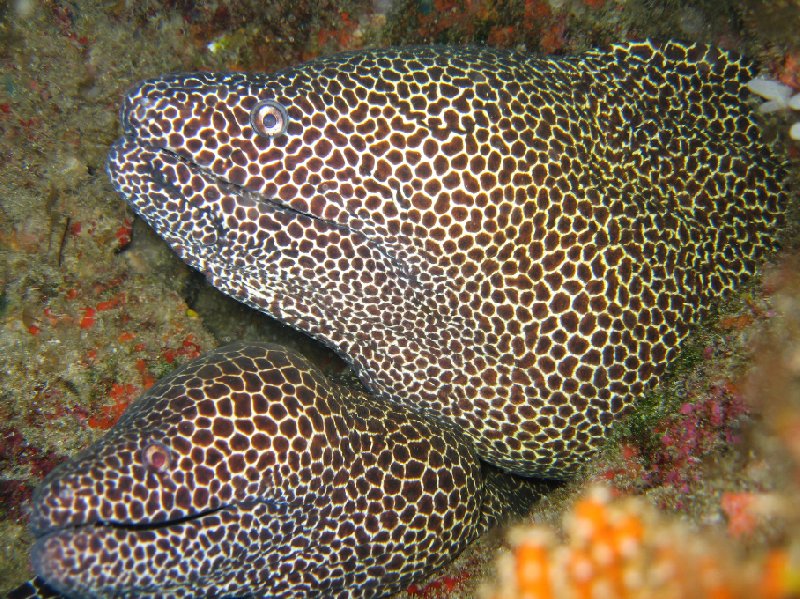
738	507
553	36
123	395
624	549
789	72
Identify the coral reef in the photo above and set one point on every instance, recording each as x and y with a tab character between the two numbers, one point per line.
774	383
624	548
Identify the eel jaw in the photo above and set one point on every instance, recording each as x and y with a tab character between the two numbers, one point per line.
155	162
273	258
143	560
196	228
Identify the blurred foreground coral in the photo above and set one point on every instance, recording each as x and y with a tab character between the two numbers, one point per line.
623	548
773	387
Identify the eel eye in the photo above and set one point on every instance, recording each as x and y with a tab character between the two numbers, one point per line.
156	457
269	118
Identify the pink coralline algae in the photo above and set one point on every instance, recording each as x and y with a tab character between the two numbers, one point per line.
16	452
686	438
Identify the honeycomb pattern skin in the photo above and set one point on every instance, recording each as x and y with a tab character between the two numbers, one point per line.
510	243
247	473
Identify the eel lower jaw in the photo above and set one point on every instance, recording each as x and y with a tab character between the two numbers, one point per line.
134	561
65	564
68	557
42	528
197	252
232	189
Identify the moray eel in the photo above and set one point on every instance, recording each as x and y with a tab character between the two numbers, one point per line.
248	474
501	244
511	243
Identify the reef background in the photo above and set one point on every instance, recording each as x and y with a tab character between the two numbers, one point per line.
94	307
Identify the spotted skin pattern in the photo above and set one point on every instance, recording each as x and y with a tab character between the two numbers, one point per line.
248	474
511	243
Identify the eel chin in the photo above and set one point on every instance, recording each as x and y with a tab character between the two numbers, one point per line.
166	188
129	560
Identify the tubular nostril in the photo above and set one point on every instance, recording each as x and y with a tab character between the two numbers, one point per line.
123	118
63	492
134	113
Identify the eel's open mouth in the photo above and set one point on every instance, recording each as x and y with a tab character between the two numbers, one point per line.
135	526
209	220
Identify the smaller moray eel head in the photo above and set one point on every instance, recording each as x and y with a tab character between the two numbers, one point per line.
203	478
247	473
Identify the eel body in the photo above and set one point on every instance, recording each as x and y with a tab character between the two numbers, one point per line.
507	246
248	474
512	243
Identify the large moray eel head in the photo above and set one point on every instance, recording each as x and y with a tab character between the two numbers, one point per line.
245	474
514	243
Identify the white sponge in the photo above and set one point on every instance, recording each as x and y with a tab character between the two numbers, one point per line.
778	97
